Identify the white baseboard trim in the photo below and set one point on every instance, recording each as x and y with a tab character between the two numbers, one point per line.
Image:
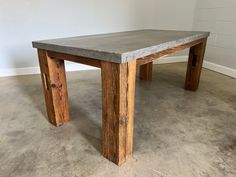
78	67
206	64
36	70
220	69
19	71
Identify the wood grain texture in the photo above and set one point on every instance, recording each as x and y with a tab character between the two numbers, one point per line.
145	71
77	59
150	58
55	88
118	88
196	56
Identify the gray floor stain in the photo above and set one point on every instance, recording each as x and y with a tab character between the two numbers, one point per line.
177	133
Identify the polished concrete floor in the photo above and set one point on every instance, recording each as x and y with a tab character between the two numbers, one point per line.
177	133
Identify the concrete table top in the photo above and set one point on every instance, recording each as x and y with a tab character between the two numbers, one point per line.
120	47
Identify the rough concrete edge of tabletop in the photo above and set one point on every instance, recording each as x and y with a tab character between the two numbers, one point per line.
118	57
128	56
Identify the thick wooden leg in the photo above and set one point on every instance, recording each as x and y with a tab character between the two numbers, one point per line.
196	56
145	72
118	89
55	88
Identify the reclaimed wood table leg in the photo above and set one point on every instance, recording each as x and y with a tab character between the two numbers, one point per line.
196	56
145	71
118	89
55	88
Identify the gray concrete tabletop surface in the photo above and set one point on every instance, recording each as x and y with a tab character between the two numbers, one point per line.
120	47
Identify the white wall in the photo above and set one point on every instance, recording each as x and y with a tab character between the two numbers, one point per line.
26	20
168	14
22	21
218	17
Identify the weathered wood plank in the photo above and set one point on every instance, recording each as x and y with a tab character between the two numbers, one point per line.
150	58
55	88
131	102
118	88
77	59
145	71
196	56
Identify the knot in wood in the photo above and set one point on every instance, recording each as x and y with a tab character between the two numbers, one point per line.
56	85
122	120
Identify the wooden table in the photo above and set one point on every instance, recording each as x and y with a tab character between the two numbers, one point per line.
118	55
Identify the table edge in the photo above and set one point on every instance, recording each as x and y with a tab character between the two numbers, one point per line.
117	57
133	55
